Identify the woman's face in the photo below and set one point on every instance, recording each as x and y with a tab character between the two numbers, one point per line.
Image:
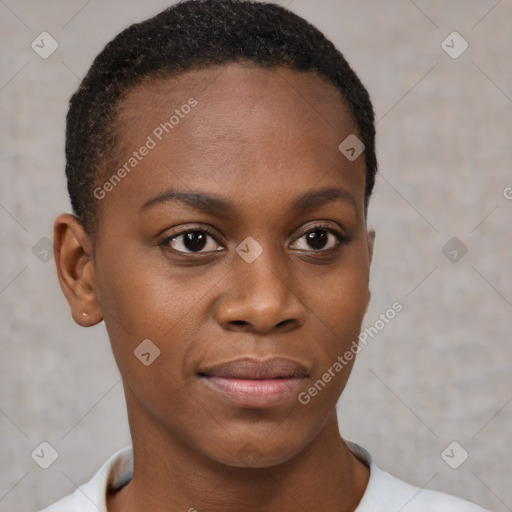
236	243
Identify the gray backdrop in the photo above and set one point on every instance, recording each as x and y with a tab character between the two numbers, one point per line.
438	373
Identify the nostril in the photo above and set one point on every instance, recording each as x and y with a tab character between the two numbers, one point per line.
238	322
288	325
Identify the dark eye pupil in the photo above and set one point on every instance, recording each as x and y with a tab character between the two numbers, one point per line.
318	239
194	240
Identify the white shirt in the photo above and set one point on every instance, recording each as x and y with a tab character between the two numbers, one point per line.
384	492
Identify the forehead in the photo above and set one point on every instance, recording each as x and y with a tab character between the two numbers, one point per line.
232	93
250	128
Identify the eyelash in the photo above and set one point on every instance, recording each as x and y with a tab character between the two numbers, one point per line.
341	239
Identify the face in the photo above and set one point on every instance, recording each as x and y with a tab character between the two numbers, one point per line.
236	243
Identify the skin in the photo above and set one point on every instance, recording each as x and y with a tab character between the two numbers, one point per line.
258	139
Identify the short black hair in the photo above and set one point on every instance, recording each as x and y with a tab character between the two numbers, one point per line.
188	35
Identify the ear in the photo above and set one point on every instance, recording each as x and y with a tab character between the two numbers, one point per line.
370	235
75	269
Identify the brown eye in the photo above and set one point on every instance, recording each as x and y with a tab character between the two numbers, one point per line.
193	241
319	239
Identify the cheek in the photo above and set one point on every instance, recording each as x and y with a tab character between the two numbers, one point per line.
144	296
339	300
335	352
337	310
148	314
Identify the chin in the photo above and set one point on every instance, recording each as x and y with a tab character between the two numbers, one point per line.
261	454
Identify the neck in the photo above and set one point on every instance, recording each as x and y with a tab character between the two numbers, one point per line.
170	476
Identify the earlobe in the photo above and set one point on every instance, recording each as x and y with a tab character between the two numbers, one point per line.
75	270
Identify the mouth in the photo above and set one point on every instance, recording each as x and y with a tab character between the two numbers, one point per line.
255	383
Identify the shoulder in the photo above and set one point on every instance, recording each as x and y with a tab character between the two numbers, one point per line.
394	494
386	492
73	502
90	497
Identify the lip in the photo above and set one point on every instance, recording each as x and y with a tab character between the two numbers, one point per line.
250	382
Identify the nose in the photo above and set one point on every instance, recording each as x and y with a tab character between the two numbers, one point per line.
260	297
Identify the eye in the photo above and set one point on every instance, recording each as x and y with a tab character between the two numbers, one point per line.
320	238
193	241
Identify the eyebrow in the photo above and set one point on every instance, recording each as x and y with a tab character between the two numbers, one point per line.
216	205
